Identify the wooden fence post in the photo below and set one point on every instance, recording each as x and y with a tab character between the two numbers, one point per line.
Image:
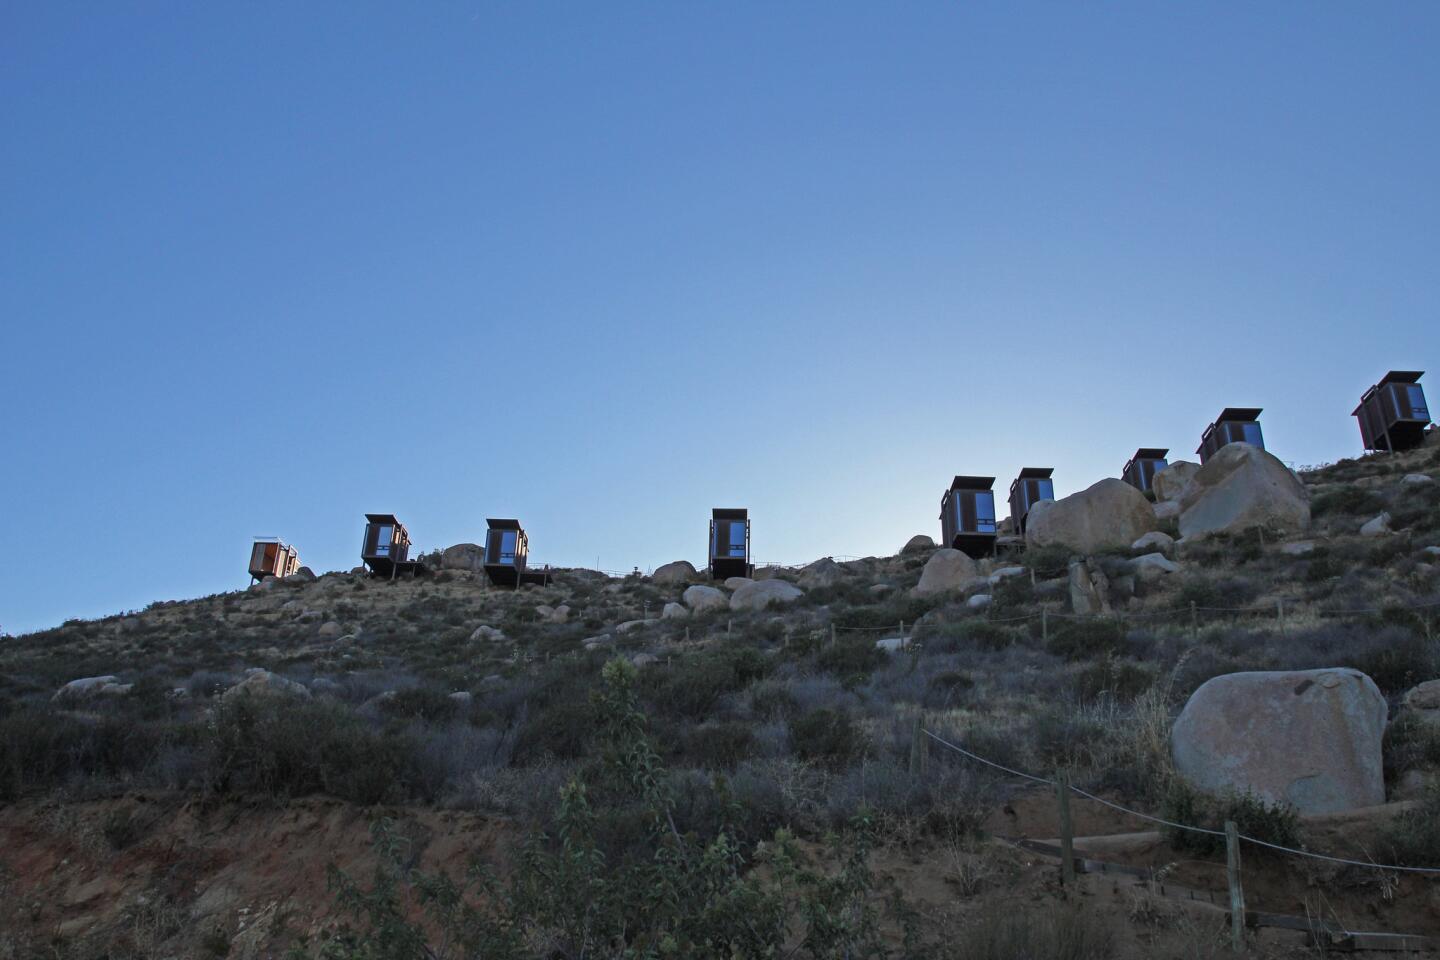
919	748
1194	624
1067	830
902	634
1045	624
1237	895
1280	615
832	634
729	627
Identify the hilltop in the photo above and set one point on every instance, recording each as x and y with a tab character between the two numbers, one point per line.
187	801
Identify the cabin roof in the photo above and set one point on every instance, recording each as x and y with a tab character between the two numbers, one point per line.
1241	414
1151	453
730	513
972	483
382	518
503	524
1401	376
1035	473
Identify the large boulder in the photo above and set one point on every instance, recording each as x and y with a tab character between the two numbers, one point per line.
947	570
822	573
1107	514
263	683
1240	487
764	593
87	687
1309	738
681	571
1171	482
701	598
1089	589
463	556
918	544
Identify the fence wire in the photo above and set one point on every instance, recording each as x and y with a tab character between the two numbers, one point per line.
1179	826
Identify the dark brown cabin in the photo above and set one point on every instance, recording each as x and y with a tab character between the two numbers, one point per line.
967	516
386	547
1032	486
730	543
1140	469
271	558
1393	414
1234	425
507	555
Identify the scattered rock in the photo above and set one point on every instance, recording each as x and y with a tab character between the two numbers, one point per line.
764	593
680	571
87	687
644	659
1241	487
701	598
1169	484
629	625
766	573
1297	548
329	630
462	698
979	601
1089	589
1432	551
301	576
593	643
487	634
1004	573
880	589
1166	510
1416	478
946	570
891	644
1154	540
263	683
1310	738
1378	527
560	614
735	583
463	556
822	573
1423	702
674	611
1154	565
1110	513
918	544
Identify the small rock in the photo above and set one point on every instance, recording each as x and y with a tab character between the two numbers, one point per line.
87	687
487	634
880	589
629	625
1004	573
674	611
918	544
329	629
978	602
644	659
1432	551
1154	540
735	583
891	644
1416	478
301	576
1154	565
1089	589
822	573
592	643
1378	527
680	571
946	570
263	683
701	598
1167	509
1170	483
1298	548
462	698
764	593
1423	697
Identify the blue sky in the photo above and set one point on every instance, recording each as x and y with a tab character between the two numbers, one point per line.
602	267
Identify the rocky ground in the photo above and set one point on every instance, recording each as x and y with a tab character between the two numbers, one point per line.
187	795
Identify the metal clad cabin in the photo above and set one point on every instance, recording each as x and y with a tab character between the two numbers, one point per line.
1032	486
967	516
1234	425
1140	470
1393	414
730	543
271	558
386	547
506	552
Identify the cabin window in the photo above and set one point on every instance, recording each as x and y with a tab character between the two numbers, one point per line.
507	546
1418	410
1044	490
737	540
984	512
1251	434
383	535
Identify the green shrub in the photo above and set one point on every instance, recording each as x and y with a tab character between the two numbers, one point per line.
692	686
852	659
971	635
1410	744
717	746
1048	562
1069	933
1085	639
828	737
1413	838
1253	817
1212	592
41	747
420	703
1122	680
1347	501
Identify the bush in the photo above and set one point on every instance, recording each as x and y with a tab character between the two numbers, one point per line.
971	634
1085	639
1048	562
714	746
420	703
852	659
1068	933
1217	592
828	737
41	747
691	687
1121	680
1253	817
1413	838
1347	501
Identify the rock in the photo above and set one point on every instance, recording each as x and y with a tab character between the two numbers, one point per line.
1110	513
702	598
1413	785
592	643
263	683
265	585
560	614
1416	479
1309	738
1378	527
1297	548
822	573
890	644
1154	565
1154	540
978	602
1241	487
88	687
301	576
644	659
1424	699
1089	589
764	593
463	556
674	611
680	571
462	698
766	573
487	634
1171	482
630	625
1166	510
917	544
1004	573
880	589
1432	551
735	583
329	629
946	570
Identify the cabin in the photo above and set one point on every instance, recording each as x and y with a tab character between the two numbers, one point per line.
1234	425
385	549
730	543
967	516
1140	469
1032	486
1393	414
271	558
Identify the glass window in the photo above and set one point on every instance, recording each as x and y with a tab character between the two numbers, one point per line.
507	546
383	536
1252	434
737	539
1417	402
1044	490
985	512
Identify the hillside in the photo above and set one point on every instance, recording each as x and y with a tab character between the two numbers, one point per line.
173	812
